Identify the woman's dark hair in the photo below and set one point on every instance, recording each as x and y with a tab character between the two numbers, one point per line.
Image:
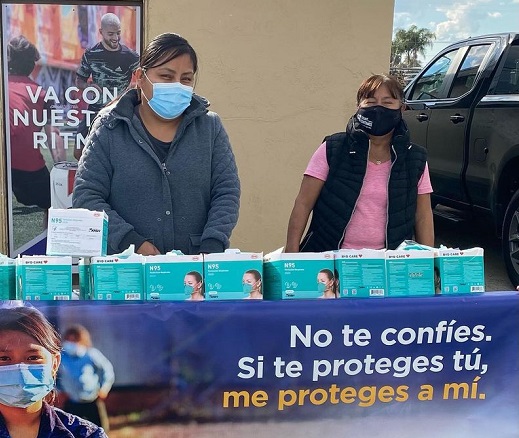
165	47
34	324
256	274
21	56
328	273
369	86
80	335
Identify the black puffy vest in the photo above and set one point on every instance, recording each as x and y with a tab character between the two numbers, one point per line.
347	155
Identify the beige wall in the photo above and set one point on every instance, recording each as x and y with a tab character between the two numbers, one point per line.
282	74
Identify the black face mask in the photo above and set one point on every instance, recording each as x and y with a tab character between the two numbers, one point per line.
378	120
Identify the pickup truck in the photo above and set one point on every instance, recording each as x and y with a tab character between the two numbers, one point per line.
464	108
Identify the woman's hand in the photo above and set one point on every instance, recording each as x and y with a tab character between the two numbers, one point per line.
147	249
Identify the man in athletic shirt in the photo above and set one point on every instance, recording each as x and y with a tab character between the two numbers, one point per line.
110	64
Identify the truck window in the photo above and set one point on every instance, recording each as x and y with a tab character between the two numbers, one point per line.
464	79
429	85
509	78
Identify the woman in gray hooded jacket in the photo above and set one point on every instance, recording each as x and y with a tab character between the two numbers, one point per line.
159	163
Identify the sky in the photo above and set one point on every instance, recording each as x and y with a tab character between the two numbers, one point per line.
453	20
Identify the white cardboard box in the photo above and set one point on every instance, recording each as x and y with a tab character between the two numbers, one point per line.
77	232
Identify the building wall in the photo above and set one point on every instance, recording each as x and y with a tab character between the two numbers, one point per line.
282	74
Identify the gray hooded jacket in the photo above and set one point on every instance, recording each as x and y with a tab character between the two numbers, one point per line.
189	202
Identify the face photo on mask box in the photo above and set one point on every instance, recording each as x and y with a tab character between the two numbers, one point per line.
193	286
326	284
251	284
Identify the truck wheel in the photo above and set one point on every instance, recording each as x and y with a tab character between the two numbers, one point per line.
510	239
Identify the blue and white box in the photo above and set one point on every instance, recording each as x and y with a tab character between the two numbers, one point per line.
44	277
304	275
7	278
410	273
118	277
174	277
77	232
460	271
361	273
233	275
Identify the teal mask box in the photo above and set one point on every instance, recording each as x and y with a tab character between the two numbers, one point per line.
85	288
117	277
77	232
291	276
362	273
44	278
233	275
409	273
460	271
7	278
174	277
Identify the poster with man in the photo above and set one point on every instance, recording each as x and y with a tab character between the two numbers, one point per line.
61	63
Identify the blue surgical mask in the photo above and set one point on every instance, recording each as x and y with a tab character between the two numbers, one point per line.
22	384
170	99
188	289
247	288
74	349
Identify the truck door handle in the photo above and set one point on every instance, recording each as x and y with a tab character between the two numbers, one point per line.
422	117
457	118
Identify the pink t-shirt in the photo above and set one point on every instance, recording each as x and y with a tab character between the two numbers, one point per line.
367	227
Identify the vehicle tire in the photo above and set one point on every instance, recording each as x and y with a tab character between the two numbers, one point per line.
510	239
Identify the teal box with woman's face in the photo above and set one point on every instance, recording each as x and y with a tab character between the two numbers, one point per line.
291	276
174	277
233	275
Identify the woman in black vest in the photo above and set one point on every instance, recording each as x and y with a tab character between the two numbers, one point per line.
368	187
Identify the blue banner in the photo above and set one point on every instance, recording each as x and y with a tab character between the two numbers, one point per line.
439	366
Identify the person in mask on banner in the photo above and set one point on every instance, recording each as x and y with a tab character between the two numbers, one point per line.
160	163
194	286
110	64
85	376
30	176
252	285
326	284
29	360
368	187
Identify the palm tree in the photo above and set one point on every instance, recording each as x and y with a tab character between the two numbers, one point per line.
408	44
